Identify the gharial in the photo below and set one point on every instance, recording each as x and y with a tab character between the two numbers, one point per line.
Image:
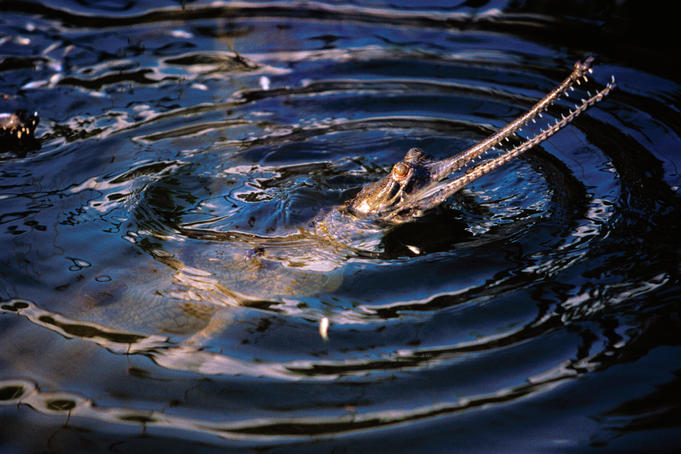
419	183
268	267
236	267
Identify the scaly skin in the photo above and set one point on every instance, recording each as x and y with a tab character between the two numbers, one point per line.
16	132
419	183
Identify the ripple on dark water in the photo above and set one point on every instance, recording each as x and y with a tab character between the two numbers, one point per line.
161	288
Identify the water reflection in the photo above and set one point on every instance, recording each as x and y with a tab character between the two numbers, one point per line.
159	274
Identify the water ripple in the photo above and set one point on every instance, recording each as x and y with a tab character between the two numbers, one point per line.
164	267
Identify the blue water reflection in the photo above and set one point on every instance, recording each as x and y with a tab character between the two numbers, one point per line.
161	285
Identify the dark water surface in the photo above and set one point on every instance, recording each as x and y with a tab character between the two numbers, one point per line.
160	287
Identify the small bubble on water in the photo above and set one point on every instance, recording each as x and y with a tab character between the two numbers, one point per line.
34	84
181	34
264	82
414	249
324	328
78	264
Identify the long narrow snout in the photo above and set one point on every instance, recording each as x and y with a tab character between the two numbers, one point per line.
442	184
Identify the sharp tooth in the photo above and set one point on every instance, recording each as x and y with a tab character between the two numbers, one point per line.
591	70
585	78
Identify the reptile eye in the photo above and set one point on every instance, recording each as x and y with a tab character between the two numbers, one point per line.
400	171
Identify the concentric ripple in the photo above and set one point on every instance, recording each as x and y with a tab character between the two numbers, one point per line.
162	272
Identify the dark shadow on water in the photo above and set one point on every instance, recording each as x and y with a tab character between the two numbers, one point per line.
438	231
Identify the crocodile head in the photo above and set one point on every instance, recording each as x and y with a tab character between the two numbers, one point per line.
419	183
390	198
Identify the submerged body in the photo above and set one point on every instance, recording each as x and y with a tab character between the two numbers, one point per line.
194	285
311	261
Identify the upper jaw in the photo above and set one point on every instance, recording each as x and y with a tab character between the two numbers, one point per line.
376	198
